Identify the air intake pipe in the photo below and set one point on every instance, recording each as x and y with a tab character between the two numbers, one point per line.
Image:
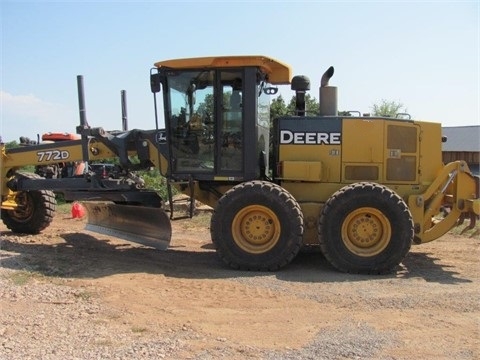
328	95
300	84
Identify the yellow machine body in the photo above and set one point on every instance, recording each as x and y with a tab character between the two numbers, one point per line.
362	188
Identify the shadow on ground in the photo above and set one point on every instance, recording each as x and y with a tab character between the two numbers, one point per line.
84	256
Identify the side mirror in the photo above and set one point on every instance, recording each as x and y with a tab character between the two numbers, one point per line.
270	90
155	83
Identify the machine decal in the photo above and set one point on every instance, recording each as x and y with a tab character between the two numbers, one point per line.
310	138
161	137
52	155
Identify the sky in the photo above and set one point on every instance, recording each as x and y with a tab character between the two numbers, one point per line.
424	55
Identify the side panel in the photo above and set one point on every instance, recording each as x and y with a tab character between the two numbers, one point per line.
431	163
381	150
402	152
362	150
362	141
311	139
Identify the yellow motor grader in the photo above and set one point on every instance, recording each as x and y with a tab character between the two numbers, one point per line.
361	189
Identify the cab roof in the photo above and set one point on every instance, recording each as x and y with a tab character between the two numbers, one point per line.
278	72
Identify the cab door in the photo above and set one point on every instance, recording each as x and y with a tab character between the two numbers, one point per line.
230	146
190	121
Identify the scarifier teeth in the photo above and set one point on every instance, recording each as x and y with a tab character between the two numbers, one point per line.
471	225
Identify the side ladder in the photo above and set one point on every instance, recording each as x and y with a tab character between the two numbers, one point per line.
191	187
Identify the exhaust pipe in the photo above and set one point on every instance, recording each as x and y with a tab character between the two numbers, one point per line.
123	94
83	118
81	103
328	95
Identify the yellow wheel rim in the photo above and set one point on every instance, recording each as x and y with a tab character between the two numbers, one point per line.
25	211
256	229
366	232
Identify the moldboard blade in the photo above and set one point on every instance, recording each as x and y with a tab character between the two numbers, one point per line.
139	224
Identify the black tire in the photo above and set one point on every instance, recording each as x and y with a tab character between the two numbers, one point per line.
257	225
35	212
365	228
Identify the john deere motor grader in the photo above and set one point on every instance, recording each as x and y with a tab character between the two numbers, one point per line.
360	188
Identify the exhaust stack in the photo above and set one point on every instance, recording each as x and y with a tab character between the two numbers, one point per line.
328	95
81	103
84	127
123	95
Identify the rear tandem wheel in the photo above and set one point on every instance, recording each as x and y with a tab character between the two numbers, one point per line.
365	228
257	225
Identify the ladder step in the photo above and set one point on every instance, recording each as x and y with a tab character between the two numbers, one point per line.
190	183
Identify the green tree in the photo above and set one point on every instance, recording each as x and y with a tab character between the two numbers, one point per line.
388	108
206	107
312	106
11	144
277	108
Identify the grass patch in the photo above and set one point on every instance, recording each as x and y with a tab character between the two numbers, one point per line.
64	208
202	220
22	277
475	232
139	329
103	342
84	295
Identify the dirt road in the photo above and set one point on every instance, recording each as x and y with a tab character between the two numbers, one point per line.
73	294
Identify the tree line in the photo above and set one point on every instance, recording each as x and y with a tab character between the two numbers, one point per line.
384	108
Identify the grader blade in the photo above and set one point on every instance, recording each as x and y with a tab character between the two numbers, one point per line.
139	224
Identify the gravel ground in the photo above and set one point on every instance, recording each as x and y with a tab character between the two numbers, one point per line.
72	294
66	319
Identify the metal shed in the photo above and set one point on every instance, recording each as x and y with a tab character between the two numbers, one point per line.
463	143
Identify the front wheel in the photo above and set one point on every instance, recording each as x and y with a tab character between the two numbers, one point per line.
365	228
34	213
257	225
